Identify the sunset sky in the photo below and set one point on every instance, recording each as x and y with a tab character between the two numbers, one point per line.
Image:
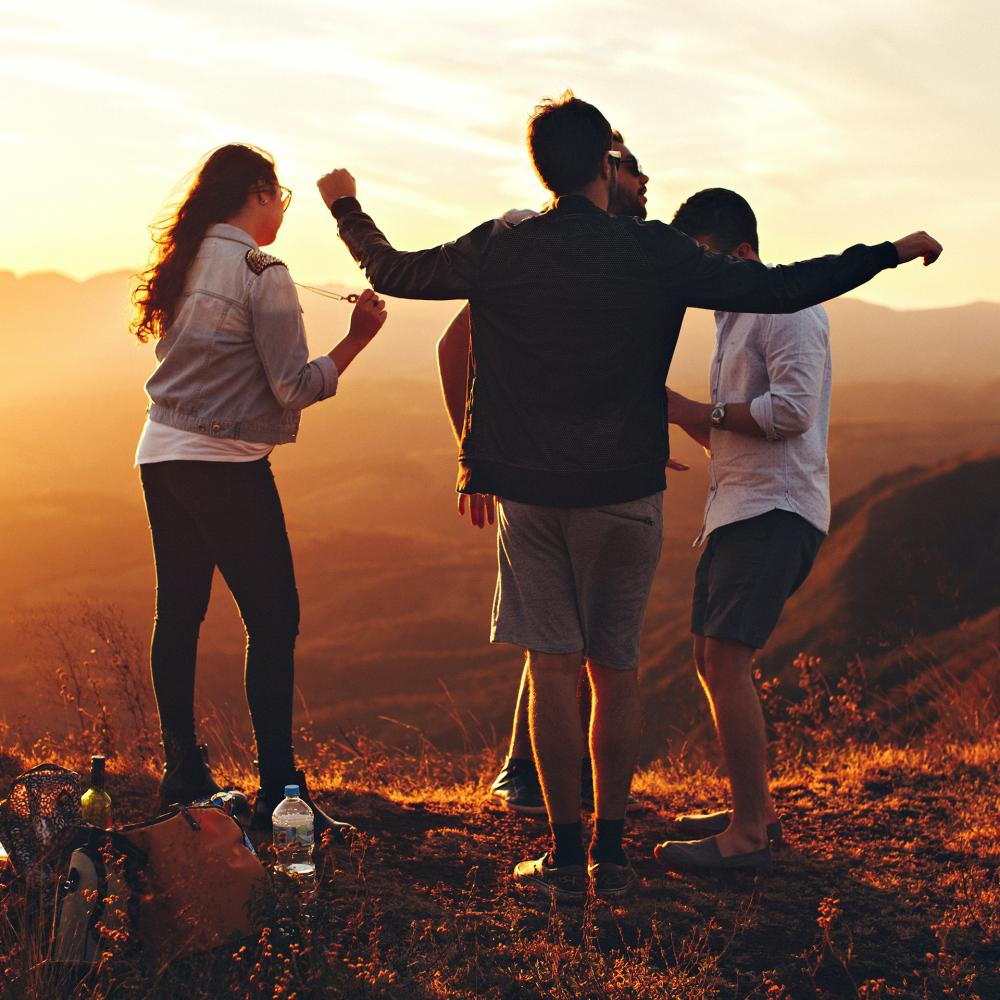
841	123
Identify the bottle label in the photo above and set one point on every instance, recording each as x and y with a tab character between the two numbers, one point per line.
287	836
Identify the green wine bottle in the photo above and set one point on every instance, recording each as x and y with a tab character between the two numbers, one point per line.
96	803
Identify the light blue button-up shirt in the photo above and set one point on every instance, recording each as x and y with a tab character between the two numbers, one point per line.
780	365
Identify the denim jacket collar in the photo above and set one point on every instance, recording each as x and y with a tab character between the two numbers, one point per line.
224	231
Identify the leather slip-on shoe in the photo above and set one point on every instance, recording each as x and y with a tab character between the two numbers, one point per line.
709	824
703	856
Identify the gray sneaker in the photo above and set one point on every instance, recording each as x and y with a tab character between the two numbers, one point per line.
516	788
567	883
612	881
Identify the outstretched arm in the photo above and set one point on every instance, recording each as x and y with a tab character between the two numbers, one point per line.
715	281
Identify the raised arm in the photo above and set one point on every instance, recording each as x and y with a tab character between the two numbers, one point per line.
449	271
280	339
715	281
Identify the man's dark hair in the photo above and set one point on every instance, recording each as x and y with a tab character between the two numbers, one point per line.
567	139
721	215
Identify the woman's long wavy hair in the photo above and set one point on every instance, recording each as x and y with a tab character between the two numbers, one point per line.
217	193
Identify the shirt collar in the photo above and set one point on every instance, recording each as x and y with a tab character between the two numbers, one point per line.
224	231
576	203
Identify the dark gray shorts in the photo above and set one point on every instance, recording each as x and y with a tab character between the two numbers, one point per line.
747	572
577	578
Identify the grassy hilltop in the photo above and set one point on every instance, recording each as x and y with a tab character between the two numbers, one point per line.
889	886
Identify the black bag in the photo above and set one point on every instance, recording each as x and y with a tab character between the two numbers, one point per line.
97	900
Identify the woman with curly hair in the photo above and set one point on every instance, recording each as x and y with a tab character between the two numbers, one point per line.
233	374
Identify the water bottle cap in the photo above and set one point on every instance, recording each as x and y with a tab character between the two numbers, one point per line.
291	791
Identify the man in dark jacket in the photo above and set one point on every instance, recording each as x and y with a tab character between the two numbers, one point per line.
575	315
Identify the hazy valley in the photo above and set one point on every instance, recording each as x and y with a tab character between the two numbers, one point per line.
396	589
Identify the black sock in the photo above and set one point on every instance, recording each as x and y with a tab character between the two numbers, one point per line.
607	842
568	848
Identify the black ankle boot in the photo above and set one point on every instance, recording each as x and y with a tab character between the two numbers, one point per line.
270	794
186	776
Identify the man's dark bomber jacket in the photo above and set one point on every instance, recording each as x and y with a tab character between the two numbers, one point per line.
575	316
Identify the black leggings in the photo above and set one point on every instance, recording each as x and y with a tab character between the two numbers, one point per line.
225	514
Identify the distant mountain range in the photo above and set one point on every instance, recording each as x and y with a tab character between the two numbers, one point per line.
49	324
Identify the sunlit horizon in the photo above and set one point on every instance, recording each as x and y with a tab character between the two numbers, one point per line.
854	124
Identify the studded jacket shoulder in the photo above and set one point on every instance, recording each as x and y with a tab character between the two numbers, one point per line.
259	262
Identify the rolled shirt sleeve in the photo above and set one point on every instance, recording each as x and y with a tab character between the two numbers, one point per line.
797	358
280	338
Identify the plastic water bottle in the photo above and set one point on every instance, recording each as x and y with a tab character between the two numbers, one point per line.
293	836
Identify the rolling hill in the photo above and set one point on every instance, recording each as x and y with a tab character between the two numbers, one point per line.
395	589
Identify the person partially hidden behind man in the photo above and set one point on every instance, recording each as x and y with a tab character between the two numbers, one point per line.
516	786
575	316
767	513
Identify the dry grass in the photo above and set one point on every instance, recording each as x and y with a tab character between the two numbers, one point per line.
889	887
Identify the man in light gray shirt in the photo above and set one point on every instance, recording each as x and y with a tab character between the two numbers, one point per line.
767	512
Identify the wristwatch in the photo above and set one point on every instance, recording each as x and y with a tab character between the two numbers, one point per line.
718	415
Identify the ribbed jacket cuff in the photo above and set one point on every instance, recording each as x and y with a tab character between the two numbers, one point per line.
344	206
886	253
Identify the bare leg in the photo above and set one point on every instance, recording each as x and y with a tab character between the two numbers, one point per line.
520	737
614	737
555	732
585	701
725	672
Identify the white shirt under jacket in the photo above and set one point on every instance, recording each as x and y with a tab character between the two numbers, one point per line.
780	365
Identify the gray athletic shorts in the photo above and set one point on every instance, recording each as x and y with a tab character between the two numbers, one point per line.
577	578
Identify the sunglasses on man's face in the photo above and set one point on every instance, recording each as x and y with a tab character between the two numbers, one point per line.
632	165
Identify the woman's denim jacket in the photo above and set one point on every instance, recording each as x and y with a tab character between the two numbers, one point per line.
234	362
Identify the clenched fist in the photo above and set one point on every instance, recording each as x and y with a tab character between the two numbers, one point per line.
368	316
918	245
336	184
